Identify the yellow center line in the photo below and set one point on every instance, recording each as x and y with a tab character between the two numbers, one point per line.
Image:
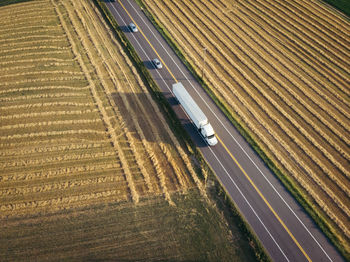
148	41
233	158
264	199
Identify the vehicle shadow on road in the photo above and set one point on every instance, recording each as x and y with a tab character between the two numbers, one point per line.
149	64
124	28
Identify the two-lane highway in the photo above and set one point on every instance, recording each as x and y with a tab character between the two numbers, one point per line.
285	230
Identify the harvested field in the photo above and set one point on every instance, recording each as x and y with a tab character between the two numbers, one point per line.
281	68
151	231
89	168
65	112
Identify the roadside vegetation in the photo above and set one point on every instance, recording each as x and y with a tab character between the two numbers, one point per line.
90	168
279	71
341	5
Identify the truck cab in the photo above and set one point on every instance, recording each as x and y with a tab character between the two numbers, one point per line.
208	133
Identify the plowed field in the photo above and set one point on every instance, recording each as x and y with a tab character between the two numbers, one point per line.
282	68
89	168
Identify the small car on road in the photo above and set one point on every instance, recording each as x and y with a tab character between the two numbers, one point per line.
133	28
157	63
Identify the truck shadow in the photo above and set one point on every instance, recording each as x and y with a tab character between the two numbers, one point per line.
124	28
137	113
149	64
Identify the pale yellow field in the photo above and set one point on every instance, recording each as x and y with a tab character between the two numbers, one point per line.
282	68
89	168
77	124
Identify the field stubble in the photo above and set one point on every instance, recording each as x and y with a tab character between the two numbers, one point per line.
283	70
80	135
46	96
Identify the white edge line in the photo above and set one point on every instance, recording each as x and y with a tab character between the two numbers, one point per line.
250	206
237	141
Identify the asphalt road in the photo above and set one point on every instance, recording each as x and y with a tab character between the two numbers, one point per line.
285	230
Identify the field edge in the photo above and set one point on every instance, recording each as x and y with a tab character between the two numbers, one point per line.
318	216
341	5
203	170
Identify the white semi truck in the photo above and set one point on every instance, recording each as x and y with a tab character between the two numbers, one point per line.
195	113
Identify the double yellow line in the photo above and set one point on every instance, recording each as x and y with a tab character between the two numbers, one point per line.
230	154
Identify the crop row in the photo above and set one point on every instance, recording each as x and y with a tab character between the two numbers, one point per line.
247	63
282	34
297	121
52	136
47	113
127	87
46	149
253	95
30	28
69	140
41	88
23	49
22	10
67	171
59	53
294	41
62	202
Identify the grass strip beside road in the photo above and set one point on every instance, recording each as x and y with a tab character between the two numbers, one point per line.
146	76
217	192
310	206
341	5
10	2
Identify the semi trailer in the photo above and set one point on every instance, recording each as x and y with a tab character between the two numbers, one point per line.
195	113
